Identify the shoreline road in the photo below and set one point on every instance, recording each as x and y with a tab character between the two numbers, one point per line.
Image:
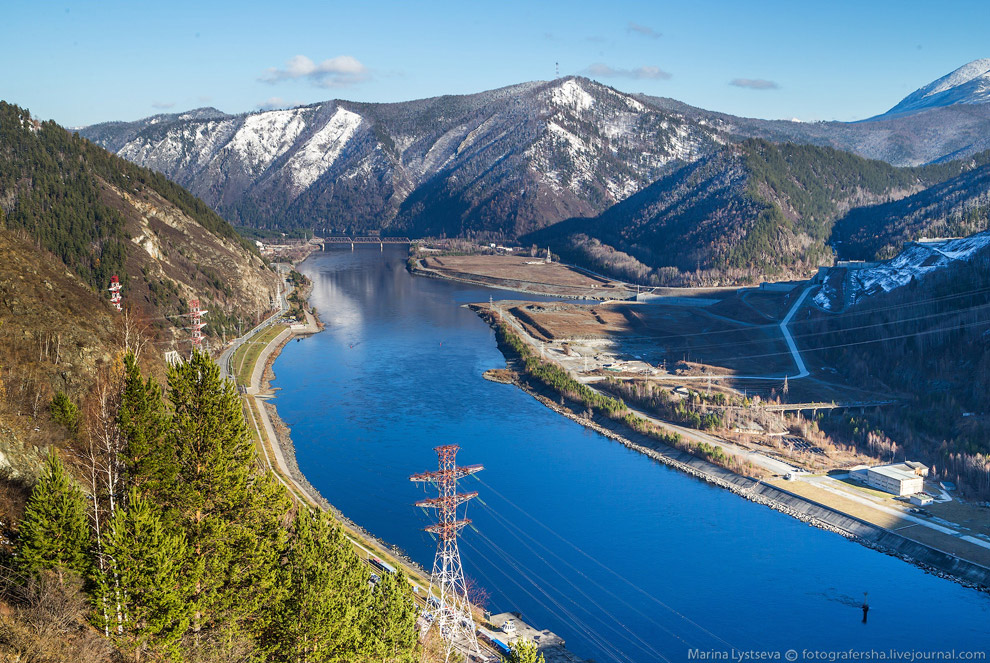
228	353
755	457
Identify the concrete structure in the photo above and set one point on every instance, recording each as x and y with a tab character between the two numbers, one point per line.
857	264
921	499
780	286
899	479
508	627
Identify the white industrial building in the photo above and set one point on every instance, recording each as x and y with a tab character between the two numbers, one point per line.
899	479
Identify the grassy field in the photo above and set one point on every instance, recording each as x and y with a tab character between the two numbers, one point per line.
246	356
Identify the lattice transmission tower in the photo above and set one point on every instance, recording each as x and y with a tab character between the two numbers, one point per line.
196	324
115	292
452	609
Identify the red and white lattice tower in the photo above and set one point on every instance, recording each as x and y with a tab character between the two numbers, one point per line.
115	292
452	613
196	323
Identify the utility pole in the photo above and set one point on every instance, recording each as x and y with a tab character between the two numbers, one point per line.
453	611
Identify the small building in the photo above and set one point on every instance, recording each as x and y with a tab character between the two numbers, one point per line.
921	499
857	264
899	479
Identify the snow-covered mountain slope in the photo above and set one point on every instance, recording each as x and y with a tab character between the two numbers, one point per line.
905	139
969	84
916	261
498	163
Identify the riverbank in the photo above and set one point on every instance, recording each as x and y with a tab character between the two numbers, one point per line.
278	451
590	291
288	467
927	557
254	373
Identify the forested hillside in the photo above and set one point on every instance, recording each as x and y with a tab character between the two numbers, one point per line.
179	547
928	343
136	522
102	215
957	207
748	212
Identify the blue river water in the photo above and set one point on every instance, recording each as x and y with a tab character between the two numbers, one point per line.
624	558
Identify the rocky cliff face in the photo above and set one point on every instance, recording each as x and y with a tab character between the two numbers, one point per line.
172	259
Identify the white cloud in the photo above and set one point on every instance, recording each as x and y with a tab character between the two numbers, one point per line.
272	103
601	70
754	83
643	30
340	71
162	105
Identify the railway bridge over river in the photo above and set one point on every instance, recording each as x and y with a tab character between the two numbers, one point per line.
381	241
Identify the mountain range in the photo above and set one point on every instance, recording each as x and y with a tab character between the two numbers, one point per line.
508	163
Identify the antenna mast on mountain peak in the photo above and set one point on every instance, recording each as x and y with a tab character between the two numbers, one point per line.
453	611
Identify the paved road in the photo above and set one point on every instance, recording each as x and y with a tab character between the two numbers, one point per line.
227	355
803	371
754	457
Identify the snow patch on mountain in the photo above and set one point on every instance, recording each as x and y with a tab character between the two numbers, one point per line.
682	143
574	144
622	124
969	84
570	94
914	262
963	74
320	152
266	136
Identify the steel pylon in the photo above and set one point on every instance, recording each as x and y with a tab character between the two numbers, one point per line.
451	609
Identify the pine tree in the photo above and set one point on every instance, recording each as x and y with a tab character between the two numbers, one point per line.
390	621
328	590
143	422
524	651
146	561
54	533
255	583
214	497
64	412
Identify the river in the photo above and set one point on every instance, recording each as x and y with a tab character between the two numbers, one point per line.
623	557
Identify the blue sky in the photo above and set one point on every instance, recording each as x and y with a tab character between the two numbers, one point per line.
86	62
